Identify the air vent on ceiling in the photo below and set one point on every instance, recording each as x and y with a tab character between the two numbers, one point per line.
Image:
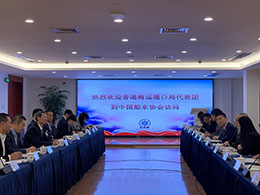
239	56
28	59
65	31
174	30
94	57
213	75
163	57
159	75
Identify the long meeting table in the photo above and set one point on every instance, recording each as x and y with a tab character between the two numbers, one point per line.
57	172
215	175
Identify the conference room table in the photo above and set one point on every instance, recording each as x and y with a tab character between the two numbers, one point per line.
215	175
57	172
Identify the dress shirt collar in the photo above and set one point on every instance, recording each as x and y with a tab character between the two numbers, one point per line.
40	126
3	136
225	126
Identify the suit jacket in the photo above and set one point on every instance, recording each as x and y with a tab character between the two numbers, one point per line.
212	127
34	136
250	144
12	146
6	151
51	131
33	122
228	133
63	128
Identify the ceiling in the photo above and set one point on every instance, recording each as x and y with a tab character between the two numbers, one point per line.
235	27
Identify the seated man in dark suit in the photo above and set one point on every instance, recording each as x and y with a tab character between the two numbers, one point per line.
13	139
33	122
229	130
235	141
5	127
49	126
35	135
63	128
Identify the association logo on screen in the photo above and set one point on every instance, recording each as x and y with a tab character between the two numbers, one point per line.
142	107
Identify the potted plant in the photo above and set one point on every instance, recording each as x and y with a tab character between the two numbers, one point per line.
53	99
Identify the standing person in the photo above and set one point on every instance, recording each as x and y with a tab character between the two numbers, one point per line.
51	129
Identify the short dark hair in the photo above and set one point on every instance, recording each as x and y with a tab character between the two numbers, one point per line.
207	115
216	111
221	114
4	117
72	117
18	118
68	111
48	111
39	114
35	111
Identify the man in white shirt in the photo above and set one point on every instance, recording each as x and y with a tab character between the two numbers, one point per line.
5	127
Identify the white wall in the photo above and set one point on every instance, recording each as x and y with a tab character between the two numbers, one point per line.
32	89
4	93
228	96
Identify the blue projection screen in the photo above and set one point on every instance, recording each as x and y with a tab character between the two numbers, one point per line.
142	107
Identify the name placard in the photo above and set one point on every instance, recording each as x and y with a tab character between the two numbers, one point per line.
89	132
66	142
225	156
78	138
36	156
193	133
215	149
14	166
200	138
49	149
256	178
237	165
197	134
207	142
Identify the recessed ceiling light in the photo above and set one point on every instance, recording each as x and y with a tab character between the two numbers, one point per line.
193	39
238	51
213	71
65	76
85	60
124	40
131	60
19	52
39	61
173	71
183	51
223	60
133	72
57	40
53	72
29	21
129	52
259	39
208	19
118	20
178	60
93	72
74	52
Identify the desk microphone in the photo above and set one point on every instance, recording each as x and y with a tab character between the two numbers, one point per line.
246	172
